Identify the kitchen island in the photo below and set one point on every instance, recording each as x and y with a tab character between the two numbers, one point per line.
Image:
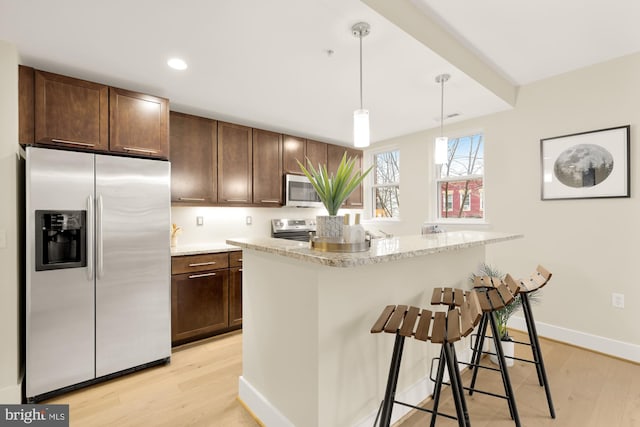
308	357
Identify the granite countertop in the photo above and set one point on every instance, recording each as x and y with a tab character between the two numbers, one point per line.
382	250
203	248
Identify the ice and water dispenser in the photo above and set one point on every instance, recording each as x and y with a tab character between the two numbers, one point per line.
60	239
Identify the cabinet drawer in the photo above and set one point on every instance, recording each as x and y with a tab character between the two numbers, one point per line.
235	259
194	263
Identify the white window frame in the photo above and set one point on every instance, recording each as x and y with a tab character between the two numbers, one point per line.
374	186
438	180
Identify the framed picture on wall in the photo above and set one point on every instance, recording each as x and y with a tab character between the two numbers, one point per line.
586	165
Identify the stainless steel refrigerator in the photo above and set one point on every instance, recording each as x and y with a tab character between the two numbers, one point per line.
97	267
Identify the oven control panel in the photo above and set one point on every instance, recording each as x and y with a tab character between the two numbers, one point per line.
283	225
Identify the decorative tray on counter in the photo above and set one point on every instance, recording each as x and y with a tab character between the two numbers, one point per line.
327	246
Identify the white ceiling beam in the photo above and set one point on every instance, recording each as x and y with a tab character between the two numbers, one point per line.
423	28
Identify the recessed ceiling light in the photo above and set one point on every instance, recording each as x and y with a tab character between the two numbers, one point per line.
177	64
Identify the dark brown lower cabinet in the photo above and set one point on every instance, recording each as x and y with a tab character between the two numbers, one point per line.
235	296
206	295
199	304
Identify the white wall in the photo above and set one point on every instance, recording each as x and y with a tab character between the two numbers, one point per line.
589	245
10	372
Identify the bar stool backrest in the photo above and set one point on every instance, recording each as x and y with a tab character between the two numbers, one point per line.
537	280
438	327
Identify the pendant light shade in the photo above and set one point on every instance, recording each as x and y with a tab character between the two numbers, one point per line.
442	142
361	116
361	128
442	147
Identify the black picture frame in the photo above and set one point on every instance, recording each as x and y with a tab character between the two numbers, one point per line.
586	165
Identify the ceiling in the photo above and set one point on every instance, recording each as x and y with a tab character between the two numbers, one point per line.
267	63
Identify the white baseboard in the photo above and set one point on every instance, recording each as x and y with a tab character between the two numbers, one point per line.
261	408
623	350
11	395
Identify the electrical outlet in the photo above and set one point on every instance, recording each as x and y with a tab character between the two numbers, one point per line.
199	220
249	220
617	300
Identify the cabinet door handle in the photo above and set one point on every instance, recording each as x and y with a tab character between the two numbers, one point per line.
198	264
269	201
236	200
239	269
356	204
140	150
195	276
64	141
191	199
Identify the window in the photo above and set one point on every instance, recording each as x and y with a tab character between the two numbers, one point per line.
462	174
465	201
386	184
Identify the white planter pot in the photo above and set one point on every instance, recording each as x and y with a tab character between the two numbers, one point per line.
329	227
508	348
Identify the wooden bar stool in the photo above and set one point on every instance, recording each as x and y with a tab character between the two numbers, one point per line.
493	295
522	288
537	280
438	327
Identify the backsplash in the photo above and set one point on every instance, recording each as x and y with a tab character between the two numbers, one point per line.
221	223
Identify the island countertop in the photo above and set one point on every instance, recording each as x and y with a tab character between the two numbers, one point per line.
382	250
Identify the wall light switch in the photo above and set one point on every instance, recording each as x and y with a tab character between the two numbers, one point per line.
617	300
249	220
199	220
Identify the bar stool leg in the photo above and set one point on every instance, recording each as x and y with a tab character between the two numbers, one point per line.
456	386
460	386
392	381
437	388
477	351
504	371
537	352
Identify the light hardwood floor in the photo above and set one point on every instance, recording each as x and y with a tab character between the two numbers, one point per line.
588	390
199	388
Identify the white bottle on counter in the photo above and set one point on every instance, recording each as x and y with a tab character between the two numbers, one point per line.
346	229
357	231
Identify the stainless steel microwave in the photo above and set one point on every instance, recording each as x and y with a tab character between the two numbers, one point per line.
300	193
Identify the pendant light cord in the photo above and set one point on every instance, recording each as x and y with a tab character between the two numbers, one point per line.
360	37
441	106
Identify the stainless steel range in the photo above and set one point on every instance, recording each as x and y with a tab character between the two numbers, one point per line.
293	229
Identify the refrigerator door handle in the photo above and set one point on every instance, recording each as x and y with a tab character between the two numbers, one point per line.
90	238
99	240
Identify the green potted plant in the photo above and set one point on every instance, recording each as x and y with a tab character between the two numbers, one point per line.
333	190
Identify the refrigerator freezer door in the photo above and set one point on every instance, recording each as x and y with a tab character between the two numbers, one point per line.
133	262
59	303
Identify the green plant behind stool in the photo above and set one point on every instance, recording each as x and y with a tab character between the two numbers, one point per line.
503	314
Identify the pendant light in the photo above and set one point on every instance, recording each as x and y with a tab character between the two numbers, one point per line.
442	142
361	116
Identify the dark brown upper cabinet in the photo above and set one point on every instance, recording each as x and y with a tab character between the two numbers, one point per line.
295	148
267	168
334	156
234	164
316	152
194	159
71	112
26	105
138	123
